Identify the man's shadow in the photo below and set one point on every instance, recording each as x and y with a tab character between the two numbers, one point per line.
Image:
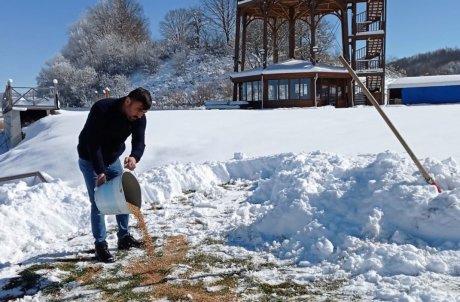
83	255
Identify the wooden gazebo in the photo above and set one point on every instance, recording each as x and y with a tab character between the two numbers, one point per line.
302	83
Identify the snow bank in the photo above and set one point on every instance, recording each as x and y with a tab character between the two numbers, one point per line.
371	217
311	207
162	184
33	218
318	206
306	206
323	187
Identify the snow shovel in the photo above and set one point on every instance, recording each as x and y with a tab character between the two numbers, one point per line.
430	180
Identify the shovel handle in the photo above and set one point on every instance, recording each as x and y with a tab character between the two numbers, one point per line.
374	102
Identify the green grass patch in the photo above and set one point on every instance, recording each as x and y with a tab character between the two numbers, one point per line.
203	261
123	292
67	266
213	241
291	290
285	289
53	288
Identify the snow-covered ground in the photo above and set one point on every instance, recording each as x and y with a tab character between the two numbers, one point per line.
323	194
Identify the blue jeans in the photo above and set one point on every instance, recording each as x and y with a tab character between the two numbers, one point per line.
97	218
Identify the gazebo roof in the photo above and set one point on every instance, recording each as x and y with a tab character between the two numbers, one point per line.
278	7
290	67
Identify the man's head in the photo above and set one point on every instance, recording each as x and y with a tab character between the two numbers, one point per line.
137	103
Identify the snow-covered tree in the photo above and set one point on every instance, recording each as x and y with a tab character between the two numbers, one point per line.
75	84
112	37
110	41
119	84
180	62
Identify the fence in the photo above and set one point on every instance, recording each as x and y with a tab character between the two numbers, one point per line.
30	98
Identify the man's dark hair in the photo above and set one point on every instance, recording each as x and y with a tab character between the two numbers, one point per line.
141	95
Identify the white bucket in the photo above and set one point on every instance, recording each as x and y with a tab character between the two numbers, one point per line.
112	196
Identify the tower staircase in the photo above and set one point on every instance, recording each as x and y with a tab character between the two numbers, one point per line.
368	33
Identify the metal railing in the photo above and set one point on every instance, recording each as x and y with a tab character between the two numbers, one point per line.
30	97
365	25
370	65
36	174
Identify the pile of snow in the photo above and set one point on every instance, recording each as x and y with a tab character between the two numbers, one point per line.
369	218
312	204
306	206
33	218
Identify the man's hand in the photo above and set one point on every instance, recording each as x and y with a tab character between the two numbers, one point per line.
130	163
101	179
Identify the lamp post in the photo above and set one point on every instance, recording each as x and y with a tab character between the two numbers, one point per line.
106	92
9	96
56	94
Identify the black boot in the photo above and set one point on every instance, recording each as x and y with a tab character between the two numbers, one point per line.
103	254
128	242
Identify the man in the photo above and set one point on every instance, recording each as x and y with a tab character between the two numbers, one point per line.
101	142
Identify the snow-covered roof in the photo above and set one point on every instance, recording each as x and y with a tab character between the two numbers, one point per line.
426	81
290	66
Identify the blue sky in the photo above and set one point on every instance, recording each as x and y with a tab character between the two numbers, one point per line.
34	31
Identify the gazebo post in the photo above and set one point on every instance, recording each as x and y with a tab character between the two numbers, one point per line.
291	32
237	53
243	41
345	42
346	51
275	41
265	35
313	46
265	50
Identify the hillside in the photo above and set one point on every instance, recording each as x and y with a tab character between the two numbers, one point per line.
187	79
441	61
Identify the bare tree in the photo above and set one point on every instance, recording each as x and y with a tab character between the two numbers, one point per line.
254	54
176	25
198	23
324	41
221	15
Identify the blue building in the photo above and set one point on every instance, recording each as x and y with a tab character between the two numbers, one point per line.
425	90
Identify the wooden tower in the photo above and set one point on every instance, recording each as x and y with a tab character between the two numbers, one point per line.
363	35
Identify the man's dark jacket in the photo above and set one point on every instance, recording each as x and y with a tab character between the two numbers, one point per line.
102	140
